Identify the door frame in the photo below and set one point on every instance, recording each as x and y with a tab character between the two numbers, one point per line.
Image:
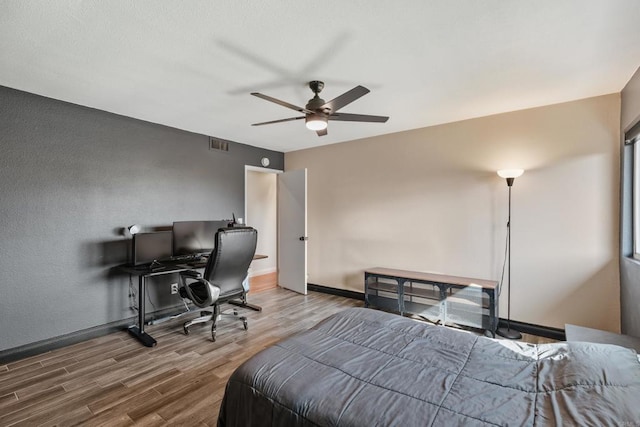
247	169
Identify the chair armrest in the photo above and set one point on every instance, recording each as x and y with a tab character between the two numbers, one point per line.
245	283
207	293
191	273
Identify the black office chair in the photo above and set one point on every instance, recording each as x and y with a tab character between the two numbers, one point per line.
223	276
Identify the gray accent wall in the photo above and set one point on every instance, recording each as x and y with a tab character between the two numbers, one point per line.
629	267
71	178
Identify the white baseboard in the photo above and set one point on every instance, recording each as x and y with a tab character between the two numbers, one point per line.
253	273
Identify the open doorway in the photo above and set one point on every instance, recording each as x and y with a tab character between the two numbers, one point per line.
276	205
261	212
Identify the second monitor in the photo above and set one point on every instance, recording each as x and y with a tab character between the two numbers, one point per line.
195	237
150	247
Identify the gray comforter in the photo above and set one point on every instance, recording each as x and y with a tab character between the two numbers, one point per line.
363	367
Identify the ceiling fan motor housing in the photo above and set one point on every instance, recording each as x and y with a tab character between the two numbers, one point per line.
318	119
315	104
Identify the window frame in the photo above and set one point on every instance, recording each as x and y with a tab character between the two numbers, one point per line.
632	137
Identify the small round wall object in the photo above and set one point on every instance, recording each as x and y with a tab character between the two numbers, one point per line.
264	161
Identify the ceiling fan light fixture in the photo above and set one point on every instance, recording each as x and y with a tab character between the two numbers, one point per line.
315	122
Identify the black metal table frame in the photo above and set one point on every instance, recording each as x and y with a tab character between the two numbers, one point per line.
443	287
137	331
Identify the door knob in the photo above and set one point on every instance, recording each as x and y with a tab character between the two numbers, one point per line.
303	238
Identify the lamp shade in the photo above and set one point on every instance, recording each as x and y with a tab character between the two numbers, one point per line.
315	122
510	173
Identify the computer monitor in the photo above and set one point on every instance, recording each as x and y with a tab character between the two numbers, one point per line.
149	247
195	237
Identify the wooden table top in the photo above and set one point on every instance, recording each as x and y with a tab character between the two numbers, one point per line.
433	277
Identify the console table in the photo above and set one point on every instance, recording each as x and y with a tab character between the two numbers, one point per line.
438	297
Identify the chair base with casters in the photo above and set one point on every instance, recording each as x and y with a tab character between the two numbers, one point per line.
206	316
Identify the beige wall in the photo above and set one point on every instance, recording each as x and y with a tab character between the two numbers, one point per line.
430	200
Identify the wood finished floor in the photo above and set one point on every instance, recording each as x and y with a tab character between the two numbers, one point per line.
115	381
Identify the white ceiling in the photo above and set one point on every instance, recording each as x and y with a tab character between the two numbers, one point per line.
192	64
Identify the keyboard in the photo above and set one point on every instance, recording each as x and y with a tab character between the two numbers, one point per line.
189	258
155	267
200	263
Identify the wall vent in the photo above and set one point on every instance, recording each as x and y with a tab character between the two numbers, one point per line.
218	144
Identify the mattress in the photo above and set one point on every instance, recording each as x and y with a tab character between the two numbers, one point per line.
363	367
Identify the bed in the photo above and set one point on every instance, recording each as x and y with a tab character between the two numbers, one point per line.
363	367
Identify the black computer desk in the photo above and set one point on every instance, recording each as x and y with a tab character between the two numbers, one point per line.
166	268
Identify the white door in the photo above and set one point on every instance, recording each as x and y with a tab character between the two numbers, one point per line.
292	230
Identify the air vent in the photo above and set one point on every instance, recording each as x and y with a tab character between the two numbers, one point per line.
218	144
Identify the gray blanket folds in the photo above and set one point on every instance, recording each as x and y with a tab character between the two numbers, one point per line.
363	367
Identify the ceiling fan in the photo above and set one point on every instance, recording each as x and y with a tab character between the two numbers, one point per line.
317	112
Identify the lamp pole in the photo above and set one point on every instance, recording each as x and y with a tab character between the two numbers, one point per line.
510	175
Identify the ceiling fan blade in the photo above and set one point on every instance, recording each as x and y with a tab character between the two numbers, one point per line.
346	117
277	121
284	104
322	132
346	98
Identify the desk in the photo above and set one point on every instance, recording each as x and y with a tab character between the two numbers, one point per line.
168	268
138	330
462	300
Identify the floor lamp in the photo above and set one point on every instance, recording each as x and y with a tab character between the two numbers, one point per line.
510	175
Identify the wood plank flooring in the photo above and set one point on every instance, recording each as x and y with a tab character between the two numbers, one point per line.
263	282
115	381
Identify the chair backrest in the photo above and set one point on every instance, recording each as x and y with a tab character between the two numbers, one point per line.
229	261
